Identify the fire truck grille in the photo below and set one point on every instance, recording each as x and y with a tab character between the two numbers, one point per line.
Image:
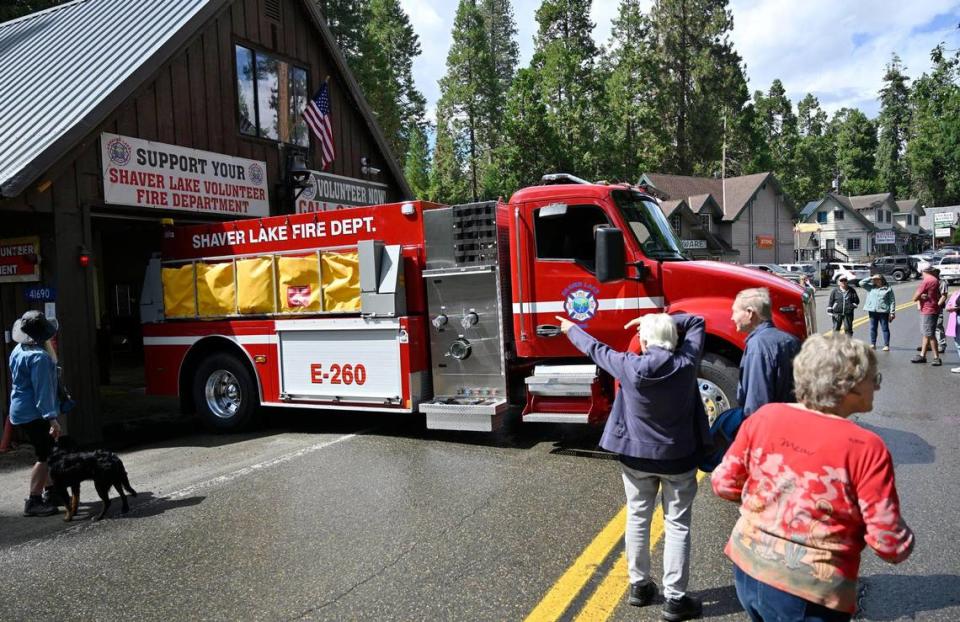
475	234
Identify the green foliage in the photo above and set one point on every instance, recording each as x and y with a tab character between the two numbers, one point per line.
814	160
855	142
894	122
12	9
448	184
417	166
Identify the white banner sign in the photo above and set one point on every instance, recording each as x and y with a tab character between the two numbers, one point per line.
148	174
944	218
941	232
332	192
885	237
693	244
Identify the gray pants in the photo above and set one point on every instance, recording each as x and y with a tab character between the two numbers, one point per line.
677	498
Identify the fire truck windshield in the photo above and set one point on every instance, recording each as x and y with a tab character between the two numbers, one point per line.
649	226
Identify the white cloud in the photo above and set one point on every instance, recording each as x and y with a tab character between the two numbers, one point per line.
836	50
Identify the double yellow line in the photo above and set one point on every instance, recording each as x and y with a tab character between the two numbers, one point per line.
609	593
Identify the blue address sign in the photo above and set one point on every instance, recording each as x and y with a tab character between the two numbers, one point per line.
39	293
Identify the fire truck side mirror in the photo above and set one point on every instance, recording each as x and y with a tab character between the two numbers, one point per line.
611	255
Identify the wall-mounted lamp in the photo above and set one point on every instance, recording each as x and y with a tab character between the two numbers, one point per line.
366	168
298	175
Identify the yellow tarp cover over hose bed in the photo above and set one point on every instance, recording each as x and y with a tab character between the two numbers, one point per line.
341	281
299	284
255	293
216	292
178	298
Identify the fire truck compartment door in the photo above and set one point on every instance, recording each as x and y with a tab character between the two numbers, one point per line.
349	359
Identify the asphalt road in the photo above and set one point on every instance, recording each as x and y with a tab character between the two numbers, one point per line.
345	517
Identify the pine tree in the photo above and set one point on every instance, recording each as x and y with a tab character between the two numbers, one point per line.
467	90
933	150
699	79
564	61
813	160
894	123
417	166
637	142
448	184
778	126
504	53
854	138
347	20
529	144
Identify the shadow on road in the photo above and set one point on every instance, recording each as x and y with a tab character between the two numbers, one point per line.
895	597
905	447
720	601
145	504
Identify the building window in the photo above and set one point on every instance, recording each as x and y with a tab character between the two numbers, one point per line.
271	95
705	221
821	217
838	214
675	223
889	216
853	244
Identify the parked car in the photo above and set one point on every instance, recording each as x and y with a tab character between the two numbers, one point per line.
776	269
853	271
801	268
931	259
898	267
949	267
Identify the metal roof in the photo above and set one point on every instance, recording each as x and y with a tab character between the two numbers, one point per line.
60	68
65	69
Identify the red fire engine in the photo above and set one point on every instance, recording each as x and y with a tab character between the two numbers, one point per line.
447	311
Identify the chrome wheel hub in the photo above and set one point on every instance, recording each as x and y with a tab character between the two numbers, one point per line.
715	401
223	394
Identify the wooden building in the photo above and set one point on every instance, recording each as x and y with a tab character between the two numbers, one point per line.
93	83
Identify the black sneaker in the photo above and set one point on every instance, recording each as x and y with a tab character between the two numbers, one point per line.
52	498
642	594
36	507
683	608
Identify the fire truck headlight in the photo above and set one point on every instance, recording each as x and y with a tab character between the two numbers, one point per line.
460	349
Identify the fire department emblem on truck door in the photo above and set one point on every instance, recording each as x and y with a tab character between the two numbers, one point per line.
119	151
580	302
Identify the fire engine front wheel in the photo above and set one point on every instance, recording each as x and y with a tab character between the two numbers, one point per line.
717	380
224	393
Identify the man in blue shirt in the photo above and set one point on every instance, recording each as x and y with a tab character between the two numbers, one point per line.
766	368
34	406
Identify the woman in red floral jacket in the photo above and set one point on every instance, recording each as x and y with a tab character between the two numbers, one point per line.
814	488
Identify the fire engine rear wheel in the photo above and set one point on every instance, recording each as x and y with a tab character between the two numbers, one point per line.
717	380
224	393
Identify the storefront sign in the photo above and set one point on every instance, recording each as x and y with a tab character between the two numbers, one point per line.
944	218
148	174
885	237
19	259
39	293
693	244
331	192
764	241
941	232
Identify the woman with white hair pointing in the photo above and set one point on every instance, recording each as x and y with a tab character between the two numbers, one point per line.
658	427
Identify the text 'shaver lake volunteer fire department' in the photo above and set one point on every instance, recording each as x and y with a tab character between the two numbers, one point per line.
449	311
190	179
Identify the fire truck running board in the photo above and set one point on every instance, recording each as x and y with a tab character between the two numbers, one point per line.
555	418
464	414
562	380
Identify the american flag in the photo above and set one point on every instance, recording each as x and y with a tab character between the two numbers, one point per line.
317	116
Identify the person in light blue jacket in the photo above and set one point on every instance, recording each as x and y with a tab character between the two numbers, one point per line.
34	405
881	306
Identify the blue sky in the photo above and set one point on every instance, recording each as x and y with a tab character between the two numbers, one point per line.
836	49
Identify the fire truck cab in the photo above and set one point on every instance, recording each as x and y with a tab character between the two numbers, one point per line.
447	311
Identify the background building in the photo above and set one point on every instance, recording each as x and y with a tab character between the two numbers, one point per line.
749	214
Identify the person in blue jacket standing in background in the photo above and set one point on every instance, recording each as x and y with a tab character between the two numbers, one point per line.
658	427
34	406
881	306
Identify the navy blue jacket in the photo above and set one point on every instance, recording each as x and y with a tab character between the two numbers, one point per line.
766	369
658	413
